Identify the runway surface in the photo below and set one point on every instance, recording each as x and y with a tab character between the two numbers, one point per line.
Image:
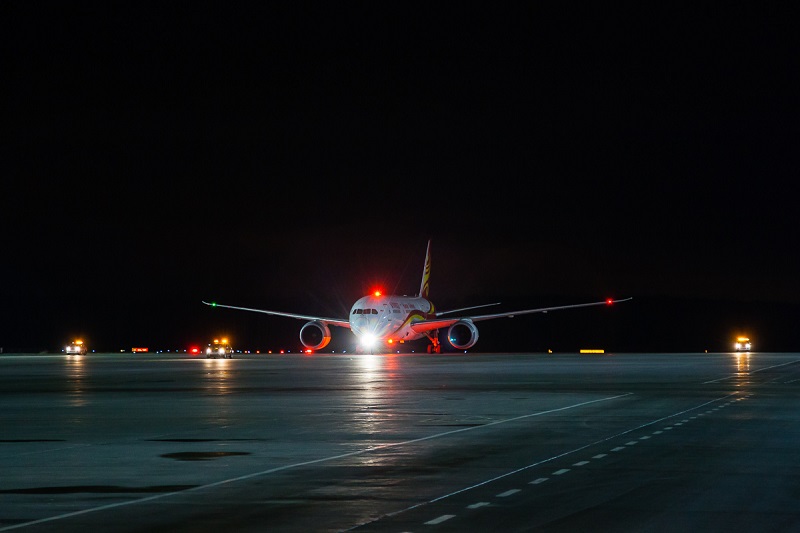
398	443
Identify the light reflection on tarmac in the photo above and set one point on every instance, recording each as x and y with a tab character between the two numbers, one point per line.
399	442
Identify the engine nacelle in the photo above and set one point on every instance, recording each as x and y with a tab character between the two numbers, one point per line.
463	334
315	335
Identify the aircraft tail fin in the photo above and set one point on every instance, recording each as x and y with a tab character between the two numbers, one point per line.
424	287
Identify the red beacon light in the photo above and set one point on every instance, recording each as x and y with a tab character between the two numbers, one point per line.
377	293
609	301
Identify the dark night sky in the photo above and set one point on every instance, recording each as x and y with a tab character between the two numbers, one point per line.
159	154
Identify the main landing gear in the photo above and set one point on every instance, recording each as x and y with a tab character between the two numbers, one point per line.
435	346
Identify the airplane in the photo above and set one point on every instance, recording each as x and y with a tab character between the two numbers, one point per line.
379	320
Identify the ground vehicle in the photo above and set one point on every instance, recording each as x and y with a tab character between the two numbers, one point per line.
219	348
76	347
742	344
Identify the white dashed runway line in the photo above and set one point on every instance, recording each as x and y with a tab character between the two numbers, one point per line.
439	520
562	471
477	505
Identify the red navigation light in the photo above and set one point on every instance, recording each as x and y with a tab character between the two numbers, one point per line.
194	350
609	301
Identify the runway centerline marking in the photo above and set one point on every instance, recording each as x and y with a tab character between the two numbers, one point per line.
439	520
477	505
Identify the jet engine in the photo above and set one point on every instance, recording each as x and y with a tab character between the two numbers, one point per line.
463	334
315	335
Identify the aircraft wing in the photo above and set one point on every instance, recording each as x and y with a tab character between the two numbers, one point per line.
421	326
330	321
440	313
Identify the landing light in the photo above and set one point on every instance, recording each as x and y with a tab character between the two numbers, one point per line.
368	341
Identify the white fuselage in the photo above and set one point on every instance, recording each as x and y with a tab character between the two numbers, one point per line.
387	318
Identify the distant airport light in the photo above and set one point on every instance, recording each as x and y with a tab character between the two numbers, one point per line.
609	301
592	350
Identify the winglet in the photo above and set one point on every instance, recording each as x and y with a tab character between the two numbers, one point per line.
424	287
